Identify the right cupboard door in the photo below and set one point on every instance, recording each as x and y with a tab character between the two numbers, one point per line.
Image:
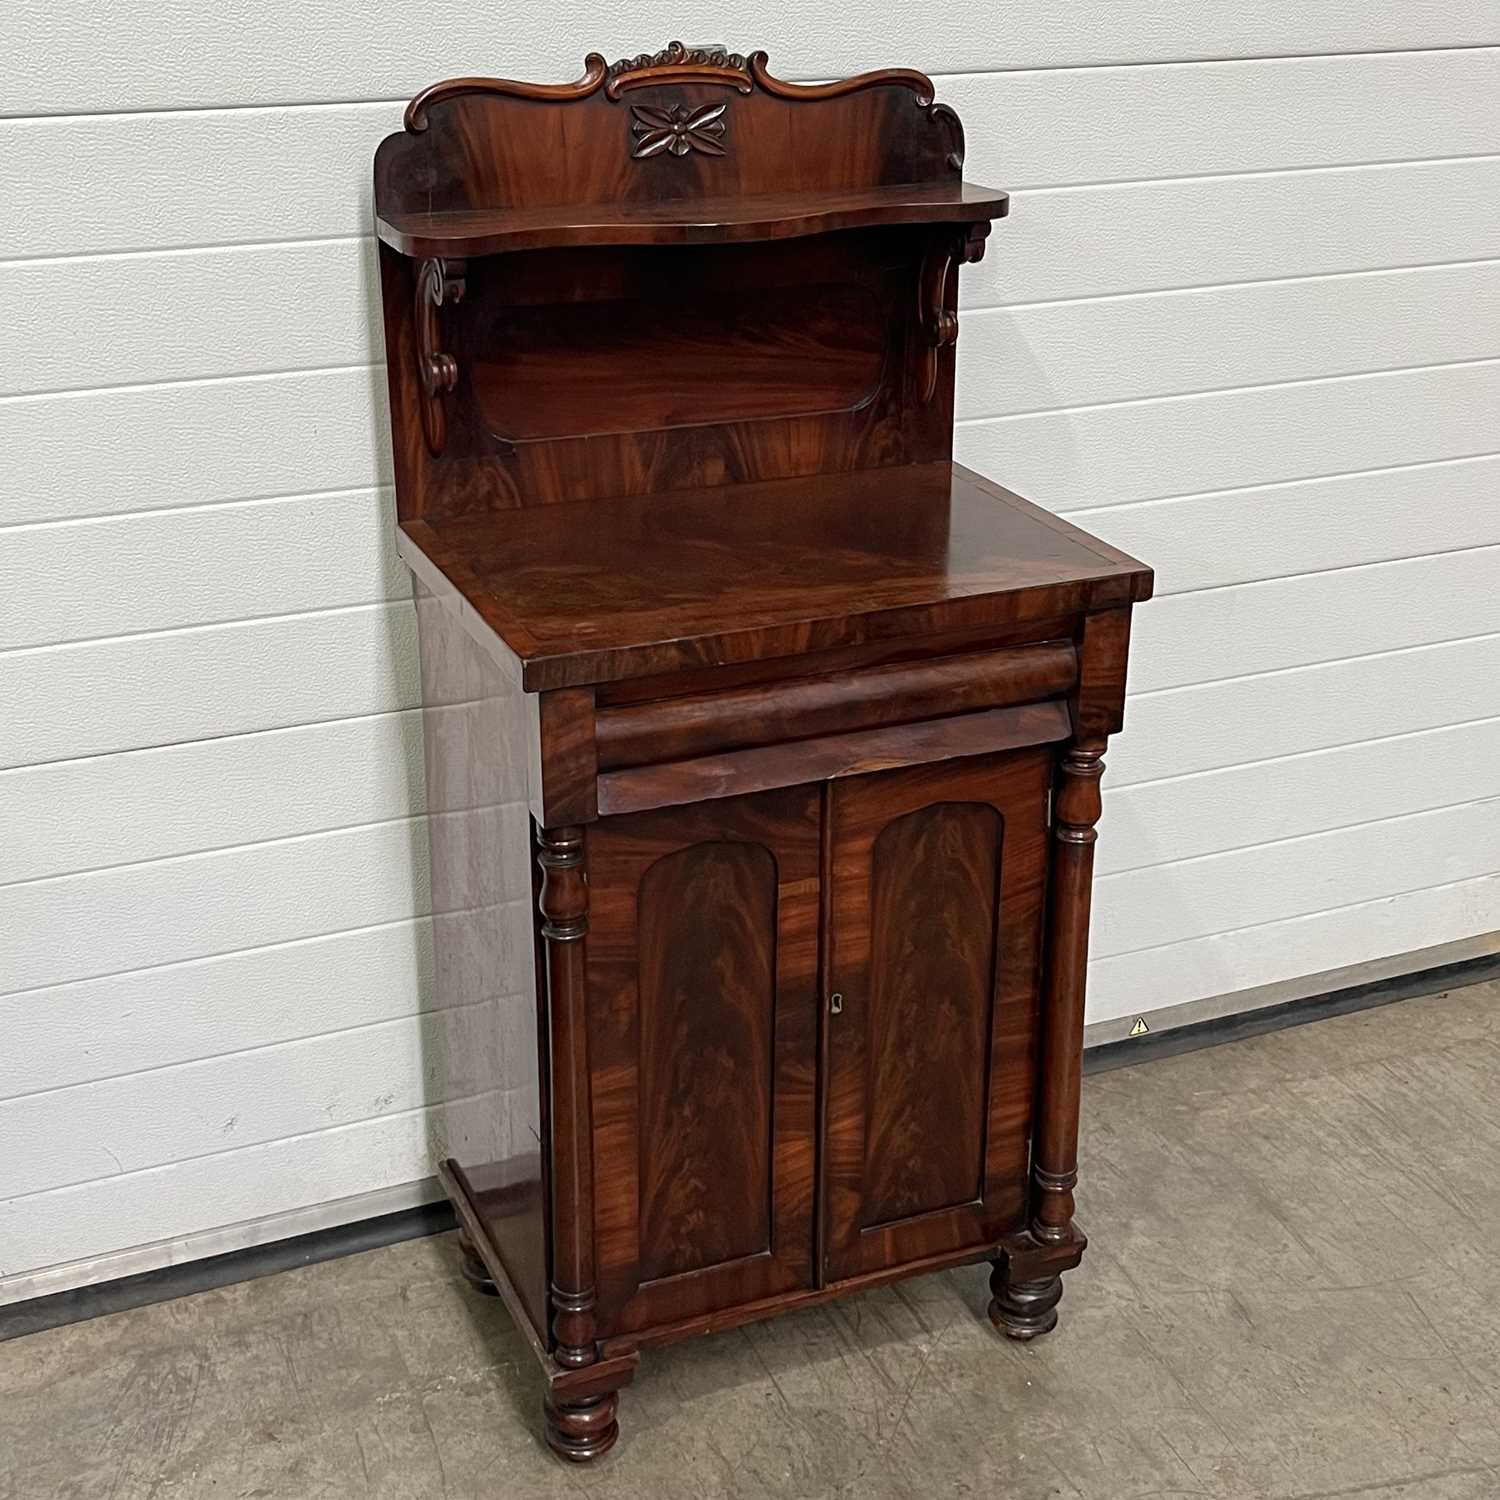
934	932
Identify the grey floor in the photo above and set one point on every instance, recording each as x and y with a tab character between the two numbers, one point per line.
1294	1290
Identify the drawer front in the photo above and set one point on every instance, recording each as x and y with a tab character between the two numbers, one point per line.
934	948
693	725
702	978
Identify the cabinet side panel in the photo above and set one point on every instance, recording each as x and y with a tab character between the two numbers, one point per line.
707	997
474	732
935	878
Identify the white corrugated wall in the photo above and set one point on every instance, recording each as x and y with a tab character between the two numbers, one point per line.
1244	321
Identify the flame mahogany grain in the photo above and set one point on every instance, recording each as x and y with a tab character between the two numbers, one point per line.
809	718
935	925
703	992
703	578
695	724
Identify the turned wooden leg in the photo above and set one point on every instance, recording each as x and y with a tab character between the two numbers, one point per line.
1054	1171
475	1272
564	903
1024	1309
1026	1285
581	1429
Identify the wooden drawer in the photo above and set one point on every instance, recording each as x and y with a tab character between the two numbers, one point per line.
757	736
636	734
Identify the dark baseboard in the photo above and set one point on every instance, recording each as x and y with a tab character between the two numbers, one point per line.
1248	1023
192	1276
412	1223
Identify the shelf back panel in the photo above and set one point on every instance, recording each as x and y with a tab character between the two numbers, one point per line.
662	127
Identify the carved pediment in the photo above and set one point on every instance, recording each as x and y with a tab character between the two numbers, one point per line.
674	64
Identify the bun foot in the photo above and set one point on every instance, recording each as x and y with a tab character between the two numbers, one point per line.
582	1430
474	1269
1024	1309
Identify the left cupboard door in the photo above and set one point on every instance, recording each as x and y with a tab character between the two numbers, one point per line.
703	1019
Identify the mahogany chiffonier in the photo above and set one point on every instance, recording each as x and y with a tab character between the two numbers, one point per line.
786	728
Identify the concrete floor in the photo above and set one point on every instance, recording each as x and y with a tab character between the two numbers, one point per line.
1293	1290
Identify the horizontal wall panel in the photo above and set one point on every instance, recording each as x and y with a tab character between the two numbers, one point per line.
1227	962
1180	445
1147	236
303	172
174	1013
135	1260
1159	344
1273	531
75	815
90	698
117	575
185	314
152	54
69	1034
124	694
112	921
80	815
1186	817
1247	887
232	1187
235	175
1050	127
1289	622
1244	719
235	1187
108	452
184	444
147	1119
177	445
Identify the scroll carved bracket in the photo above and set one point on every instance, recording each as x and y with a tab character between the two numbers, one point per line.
944	116
939	325
438	282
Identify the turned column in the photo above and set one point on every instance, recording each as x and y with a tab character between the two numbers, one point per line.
580	1428
1026	1285
1075	810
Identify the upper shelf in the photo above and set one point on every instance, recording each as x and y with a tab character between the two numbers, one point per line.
688	146
687	220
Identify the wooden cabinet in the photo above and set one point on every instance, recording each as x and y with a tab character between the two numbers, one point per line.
806	719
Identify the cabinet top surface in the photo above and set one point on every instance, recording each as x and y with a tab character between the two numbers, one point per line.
595	591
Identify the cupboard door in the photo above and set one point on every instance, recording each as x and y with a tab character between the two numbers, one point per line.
934	947
702	973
